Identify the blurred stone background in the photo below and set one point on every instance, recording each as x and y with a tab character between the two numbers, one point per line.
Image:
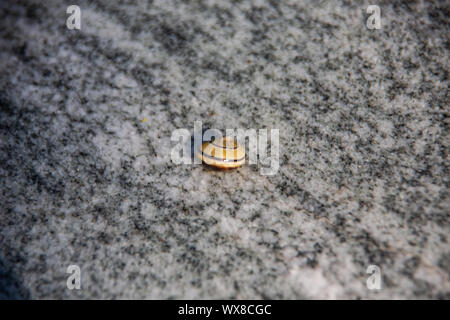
363	176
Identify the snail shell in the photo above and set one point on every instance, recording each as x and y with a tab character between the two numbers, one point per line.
223	153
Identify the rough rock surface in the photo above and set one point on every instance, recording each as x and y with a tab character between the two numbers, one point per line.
363	175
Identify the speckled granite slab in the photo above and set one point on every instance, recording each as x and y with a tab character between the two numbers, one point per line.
363	177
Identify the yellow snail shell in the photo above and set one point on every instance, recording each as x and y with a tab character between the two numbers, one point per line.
222	153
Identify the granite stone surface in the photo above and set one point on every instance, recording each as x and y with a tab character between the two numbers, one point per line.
86	177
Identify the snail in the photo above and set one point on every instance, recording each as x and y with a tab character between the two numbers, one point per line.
222	153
